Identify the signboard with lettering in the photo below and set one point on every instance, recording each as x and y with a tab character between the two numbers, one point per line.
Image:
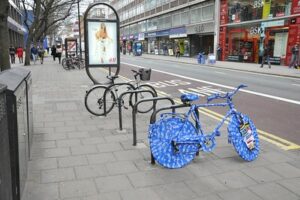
201	28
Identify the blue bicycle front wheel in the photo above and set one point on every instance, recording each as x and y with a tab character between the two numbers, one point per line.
246	152
162	136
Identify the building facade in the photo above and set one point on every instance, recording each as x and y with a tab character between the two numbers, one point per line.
246	26
16	29
163	25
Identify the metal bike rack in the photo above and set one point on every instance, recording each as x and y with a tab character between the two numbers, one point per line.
121	98
134	112
173	107
109	89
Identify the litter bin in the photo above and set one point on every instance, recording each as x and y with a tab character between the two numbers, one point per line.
201	58
17	116
5	169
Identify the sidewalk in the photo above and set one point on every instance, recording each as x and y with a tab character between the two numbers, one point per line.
249	67
76	156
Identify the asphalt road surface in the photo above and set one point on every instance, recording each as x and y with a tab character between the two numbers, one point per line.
272	102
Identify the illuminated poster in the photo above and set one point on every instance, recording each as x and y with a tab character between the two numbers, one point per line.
102	43
71	45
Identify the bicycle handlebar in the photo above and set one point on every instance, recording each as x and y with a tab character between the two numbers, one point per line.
227	95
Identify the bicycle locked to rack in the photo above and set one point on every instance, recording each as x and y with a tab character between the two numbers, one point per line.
101	99
72	62
175	140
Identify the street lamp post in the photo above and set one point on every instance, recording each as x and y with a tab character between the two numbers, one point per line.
80	51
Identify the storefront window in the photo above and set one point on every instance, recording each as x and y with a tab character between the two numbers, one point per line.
246	10
184	46
246	43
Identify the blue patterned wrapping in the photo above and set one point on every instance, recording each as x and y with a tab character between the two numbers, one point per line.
166	130
236	138
189	97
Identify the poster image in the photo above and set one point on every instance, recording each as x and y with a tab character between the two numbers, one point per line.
71	45
102	43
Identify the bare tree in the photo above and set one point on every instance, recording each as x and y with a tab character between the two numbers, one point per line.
46	15
4	36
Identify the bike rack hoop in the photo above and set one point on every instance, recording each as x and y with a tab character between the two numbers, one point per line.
121	98
134	112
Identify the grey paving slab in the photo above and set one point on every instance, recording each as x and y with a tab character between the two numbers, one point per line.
109	147
235	179
101	158
261	174
272	191
128	155
57	175
113	183
56	152
140	193
209	197
175	191
121	167
285	170
240	194
91	171
44	144
104	196
84	149
145	178
292	185
35	191
93	140
44	163
205	186
78	135
68	142
81	188
72	161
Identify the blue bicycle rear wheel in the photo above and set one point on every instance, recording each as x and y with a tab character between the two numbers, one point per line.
235	135
161	135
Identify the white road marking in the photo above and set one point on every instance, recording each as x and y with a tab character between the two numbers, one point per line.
296	85
224	86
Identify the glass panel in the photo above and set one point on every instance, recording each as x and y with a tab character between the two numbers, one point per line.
195	15
185	18
208	13
176	19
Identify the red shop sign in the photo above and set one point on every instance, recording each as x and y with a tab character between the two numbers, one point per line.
296	7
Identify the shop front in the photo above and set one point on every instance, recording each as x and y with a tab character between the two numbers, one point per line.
243	37
201	38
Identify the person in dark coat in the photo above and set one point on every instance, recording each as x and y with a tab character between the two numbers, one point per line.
53	52
295	56
266	56
12	52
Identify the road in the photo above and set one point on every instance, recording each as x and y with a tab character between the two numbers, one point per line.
273	102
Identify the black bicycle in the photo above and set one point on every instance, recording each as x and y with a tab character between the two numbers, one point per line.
99	95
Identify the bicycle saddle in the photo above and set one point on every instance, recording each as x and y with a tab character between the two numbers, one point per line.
187	98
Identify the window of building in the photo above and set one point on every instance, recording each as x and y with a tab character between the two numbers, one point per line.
208	13
195	15
185	18
176	19
152	24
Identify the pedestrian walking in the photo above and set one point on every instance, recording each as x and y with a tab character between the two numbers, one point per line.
266	56
12	52
41	53
58	52
295	56
34	53
219	52
53	52
20	54
177	52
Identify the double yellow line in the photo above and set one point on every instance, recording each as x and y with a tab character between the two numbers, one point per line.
273	139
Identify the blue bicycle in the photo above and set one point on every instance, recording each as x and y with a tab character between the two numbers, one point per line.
175	140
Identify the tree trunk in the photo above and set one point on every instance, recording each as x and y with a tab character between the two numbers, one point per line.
27	51
4	36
